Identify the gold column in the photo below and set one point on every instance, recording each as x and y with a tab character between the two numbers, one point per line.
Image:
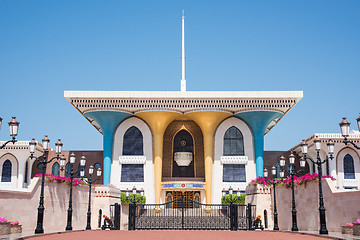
208	122
158	122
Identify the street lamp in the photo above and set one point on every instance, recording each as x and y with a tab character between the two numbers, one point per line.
345	131
233	206
238	194
14	127
132	205
318	162
90	181
292	172
72	174
274	182
134	190
44	162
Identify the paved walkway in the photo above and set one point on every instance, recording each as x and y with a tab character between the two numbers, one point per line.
176	235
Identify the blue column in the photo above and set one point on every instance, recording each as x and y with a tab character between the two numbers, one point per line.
108	121
258	121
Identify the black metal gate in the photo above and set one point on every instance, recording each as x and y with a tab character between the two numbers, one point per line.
186	214
115	212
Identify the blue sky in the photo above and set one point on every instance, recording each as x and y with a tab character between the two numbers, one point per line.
50	46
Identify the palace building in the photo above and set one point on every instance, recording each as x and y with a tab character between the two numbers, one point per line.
189	142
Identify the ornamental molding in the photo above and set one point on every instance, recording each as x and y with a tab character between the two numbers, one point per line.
351	183
129	185
234	159
132	159
235	185
183	186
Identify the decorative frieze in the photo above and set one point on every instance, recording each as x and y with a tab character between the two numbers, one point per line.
350	183
183	186
234	159
132	159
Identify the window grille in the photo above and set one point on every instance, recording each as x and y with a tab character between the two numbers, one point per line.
55	169
133	142
349	171
234	173
233	142
132	173
6	171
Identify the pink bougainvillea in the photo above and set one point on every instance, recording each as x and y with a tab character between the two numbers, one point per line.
52	178
349	225
3	220
287	181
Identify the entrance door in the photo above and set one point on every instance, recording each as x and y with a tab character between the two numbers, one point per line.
175	196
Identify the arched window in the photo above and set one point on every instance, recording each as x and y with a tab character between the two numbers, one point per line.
97	165
133	142
55	169
6	171
233	142
349	171
26	171
68	169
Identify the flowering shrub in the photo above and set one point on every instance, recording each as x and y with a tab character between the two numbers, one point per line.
3	220
287	181
358	221
349	225
52	178
14	223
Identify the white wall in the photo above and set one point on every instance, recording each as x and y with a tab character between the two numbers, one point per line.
148	184
250	168
340	167
14	171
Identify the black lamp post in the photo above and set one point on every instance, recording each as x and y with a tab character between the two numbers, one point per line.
233	207
318	162
90	181
44	162
134	201
72	174
232	201
345	131
14	127
274	182
132	206
292	172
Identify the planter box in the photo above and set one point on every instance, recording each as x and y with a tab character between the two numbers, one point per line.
15	228
4	228
356	229
346	230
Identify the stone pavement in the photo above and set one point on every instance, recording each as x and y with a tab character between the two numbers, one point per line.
178	235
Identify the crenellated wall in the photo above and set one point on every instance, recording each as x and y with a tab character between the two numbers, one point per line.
21	205
341	206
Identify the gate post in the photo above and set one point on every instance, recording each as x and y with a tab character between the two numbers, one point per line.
131	224
233	217
182	211
249	214
117	216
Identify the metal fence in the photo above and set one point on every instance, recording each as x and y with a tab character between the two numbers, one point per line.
186	214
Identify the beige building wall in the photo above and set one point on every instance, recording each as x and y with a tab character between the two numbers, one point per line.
21	205
341	206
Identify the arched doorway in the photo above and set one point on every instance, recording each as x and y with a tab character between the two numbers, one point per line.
183	143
